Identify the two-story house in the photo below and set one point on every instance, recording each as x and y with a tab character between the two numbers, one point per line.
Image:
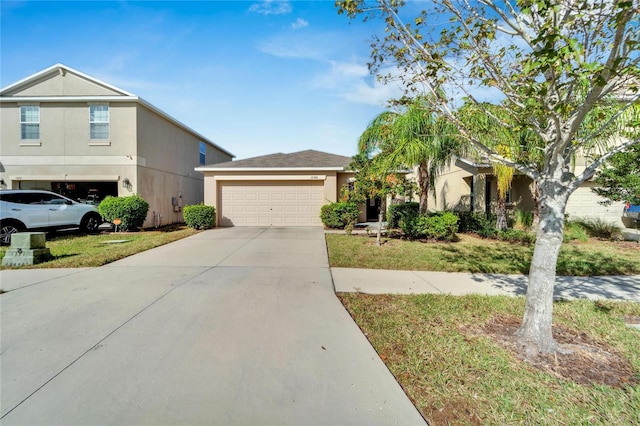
64	131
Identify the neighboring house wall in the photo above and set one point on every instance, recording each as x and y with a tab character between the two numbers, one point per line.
166	158
146	152
462	185
64	151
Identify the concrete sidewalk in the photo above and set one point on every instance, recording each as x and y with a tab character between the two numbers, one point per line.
376	281
229	326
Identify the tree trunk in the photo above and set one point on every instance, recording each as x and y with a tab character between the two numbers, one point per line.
378	239
501	222
382	209
535	335
424	182
536	206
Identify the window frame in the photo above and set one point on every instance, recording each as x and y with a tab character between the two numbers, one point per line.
93	121
24	123
202	147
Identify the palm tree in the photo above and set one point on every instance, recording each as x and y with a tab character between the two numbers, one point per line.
504	176
413	137
495	126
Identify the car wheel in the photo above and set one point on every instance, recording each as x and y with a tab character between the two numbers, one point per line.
7	228
90	223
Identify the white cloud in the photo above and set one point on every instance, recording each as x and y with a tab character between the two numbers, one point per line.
271	7
288	47
345	79
353	82
299	23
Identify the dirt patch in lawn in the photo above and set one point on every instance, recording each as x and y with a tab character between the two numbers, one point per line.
590	361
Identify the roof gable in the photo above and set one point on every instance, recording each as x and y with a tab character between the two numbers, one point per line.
61	81
309	159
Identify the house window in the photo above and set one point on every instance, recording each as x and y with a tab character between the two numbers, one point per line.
30	122
203	153
99	121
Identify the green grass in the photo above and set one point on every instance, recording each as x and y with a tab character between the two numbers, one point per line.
79	251
454	376
474	254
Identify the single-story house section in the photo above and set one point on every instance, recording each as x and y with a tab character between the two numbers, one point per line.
467	185
275	190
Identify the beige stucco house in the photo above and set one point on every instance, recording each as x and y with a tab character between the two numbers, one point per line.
275	190
471	186
65	131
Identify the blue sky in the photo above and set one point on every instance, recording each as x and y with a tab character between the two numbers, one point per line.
255	77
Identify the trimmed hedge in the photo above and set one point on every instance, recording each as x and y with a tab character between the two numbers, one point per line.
397	212
131	210
338	215
199	216
435	226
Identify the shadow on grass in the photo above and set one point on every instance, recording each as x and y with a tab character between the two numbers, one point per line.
487	259
572	262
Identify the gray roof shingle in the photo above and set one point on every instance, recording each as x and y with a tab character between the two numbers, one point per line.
300	160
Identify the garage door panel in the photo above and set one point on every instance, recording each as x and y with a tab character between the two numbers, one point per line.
584	203
284	203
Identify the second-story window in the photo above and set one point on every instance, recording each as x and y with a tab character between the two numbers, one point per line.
203	153
30	122
99	121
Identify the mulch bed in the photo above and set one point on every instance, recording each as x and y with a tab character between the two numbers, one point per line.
591	361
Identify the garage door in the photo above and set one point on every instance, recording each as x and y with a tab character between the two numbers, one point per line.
271	203
584	203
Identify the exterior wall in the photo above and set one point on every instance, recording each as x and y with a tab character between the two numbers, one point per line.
63	84
212	196
452	191
166	158
64	151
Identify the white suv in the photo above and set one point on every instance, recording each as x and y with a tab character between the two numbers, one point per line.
22	210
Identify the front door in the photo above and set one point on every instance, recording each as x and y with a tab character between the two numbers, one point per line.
373	208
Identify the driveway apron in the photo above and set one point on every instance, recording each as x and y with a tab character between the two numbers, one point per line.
230	326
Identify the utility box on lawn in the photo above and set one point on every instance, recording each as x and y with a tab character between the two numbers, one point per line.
27	248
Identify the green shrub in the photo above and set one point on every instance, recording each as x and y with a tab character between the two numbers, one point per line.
338	215
477	222
199	216
523	220
489	232
436	226
575	231
599	228
396	212
131	211
516	236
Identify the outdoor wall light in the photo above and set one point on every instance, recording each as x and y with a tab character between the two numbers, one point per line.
126	183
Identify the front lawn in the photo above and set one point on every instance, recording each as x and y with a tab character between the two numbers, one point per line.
455	359
81	251
475	254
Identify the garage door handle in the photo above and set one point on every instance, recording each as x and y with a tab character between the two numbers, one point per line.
17	210
53	210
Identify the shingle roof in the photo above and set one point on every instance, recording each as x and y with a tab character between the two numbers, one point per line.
309	159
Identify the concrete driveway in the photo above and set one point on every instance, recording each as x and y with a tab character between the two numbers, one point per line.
230	326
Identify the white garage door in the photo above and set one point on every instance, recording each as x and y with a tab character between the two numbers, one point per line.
584	203
285	203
